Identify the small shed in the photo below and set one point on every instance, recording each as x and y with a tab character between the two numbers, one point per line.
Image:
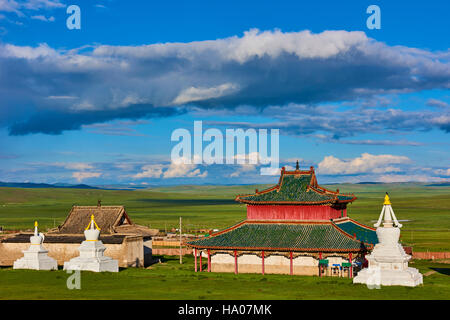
110	219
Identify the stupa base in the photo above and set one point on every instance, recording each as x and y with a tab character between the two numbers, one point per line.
108	265
410	277
92	259
36	260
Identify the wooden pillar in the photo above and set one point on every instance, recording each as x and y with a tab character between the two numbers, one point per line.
209	260
235	262
351	265
320	267
262	262
195	259
292	266
201	266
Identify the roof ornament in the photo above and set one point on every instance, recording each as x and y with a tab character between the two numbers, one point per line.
388	215
38	237
99	203
91	224
297	166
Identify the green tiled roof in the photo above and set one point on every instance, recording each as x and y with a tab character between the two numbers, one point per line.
281	236
363	233
296	187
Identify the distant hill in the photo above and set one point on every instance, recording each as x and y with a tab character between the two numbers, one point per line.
443	184
44	185
368	182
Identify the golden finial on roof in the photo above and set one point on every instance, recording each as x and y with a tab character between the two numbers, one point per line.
92	222
387	201
35	224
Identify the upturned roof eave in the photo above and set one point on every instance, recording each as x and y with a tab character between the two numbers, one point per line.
312	186
359	248
287	249
328	201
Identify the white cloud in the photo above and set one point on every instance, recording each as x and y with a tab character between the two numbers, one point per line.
43	18
20	7
74	165
179	170
443	172
437	103
260	68
366	163
390	178
61	97
80	176
196	94
150	171
41	4
27	52
184	168
10	6
243	169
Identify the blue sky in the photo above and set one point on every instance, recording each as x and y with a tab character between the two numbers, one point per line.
98	105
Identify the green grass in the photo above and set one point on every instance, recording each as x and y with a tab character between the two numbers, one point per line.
170	280
426	208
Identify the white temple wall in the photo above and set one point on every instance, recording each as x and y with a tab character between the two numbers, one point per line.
273	263
130	253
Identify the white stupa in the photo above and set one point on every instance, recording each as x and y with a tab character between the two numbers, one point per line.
91	253
388	262
36	257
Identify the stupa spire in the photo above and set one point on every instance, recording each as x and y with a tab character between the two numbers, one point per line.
92	224
390	220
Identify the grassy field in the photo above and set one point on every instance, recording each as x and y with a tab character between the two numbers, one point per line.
170	280
426	209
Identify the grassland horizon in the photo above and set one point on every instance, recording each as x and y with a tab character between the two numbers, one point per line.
424	209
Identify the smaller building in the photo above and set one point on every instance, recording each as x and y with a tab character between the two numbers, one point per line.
124	240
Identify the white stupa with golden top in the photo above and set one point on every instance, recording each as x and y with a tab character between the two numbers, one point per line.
36	257
92	250
388	262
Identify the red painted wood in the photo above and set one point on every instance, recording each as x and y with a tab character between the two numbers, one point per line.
292	212
320	266
201	261
292	269
195	254
351	266
235	262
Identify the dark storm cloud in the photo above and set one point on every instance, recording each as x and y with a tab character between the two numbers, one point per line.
49	91
55	122
330	124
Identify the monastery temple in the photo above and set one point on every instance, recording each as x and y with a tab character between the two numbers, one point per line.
295	227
